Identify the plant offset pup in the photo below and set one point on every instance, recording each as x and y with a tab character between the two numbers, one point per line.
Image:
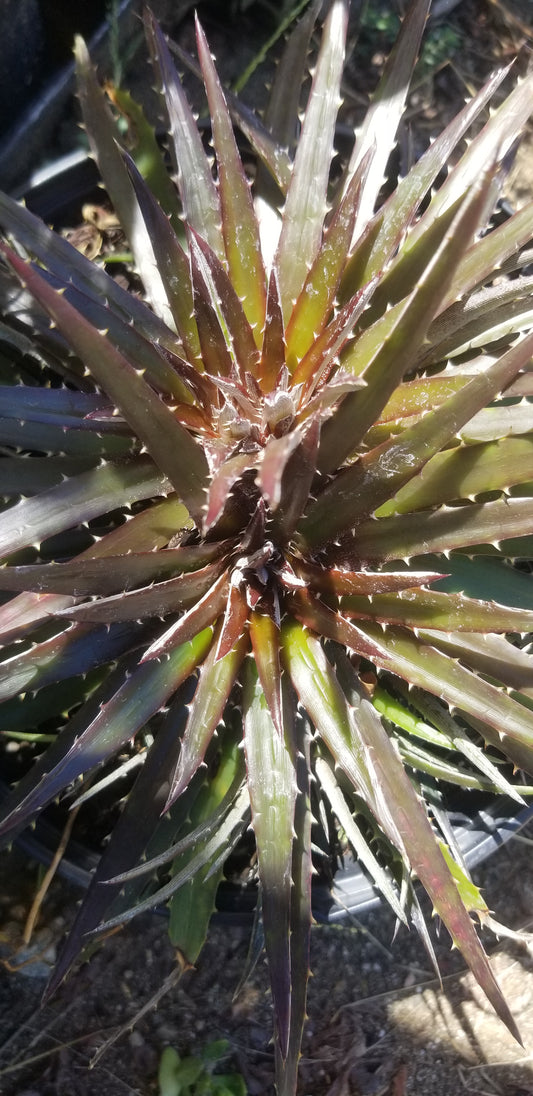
277	508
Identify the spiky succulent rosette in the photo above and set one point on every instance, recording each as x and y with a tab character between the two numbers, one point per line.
277	507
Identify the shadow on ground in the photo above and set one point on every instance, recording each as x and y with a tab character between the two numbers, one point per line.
379	1025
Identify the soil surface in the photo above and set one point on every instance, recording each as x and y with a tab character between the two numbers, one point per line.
379	1024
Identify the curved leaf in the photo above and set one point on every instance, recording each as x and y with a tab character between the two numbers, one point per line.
216	680
432	609
306	203
171	446
239	225
381	122
195	181
103	134
465	472
160	599
405	535
79	499
380	474
84	745
273	790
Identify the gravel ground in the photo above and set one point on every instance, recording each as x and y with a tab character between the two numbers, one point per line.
379	1025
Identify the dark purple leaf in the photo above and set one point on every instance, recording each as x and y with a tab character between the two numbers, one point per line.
161	599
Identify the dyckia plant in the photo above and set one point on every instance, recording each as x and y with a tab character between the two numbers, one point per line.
278	507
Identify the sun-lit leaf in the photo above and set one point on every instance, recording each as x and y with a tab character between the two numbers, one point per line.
272	786
305	206
103	137
239	226
197	190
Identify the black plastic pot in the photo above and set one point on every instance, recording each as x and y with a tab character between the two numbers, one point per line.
57	195
38	96
478	838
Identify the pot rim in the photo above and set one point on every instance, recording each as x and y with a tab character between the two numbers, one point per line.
352	893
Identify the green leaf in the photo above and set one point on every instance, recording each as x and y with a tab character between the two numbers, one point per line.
379	474
146	153
239	226
491	314
103	135
205	829
138	820
396	215
459	739
218	292
216	680
306	203
191	166
171	261
397	712
193	904
322	356
380	877
264	634
269	149
493	656
414	397
508	724
273	349
273	790
384	352
383	117
433	609
281	115
464	473
405	535
491	145
57	405
349	729
168	1076
211	857
317	297
321	695
489	253
301	916
419	844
